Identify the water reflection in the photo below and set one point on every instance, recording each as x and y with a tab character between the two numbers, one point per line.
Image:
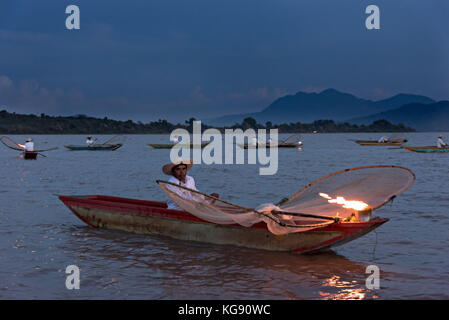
168	269
346	290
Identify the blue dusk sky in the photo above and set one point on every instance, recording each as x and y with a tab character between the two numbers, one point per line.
176	59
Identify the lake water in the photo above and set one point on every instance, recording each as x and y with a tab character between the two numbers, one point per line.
40	237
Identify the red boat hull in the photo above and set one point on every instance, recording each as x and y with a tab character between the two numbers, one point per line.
152	217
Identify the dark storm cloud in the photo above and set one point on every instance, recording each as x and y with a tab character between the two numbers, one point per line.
146	60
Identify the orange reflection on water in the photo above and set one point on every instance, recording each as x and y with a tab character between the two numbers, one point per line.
348	291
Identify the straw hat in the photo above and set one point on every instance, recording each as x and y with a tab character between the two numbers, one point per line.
440	136
167	169
29	140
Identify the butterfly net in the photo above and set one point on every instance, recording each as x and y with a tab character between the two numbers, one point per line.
294	139
397	137
114	140
342	193
10	143
314	206
218	211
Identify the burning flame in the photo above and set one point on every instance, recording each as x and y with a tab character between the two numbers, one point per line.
349	204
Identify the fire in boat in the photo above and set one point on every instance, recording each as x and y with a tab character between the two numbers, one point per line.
362	211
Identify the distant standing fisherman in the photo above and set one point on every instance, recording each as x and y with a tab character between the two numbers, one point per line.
440	142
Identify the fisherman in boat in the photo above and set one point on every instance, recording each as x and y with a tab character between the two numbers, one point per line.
178	172
90	141
440	142
383	139
29	145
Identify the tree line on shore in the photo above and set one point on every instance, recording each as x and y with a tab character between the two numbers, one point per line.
12	123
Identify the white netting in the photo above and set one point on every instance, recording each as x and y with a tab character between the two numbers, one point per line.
114	140
373	185
293	139
11	144
219	211
397	137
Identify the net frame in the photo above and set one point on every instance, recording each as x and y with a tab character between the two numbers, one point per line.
275	216
11	143
118	139
397	137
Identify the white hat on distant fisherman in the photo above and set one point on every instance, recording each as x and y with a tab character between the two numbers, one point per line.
167	169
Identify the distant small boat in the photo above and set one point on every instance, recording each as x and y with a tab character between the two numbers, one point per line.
376	143
396	139
290	142
171	145
428	149
94	147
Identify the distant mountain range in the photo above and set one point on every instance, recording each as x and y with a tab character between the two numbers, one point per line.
329	104
422	117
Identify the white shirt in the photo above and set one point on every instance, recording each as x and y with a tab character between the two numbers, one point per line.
90	141
190	183
382	139
440	143
29	146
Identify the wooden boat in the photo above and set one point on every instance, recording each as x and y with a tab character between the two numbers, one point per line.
153	218
376	143
171	145
428	149
94	147
30	155
290	142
